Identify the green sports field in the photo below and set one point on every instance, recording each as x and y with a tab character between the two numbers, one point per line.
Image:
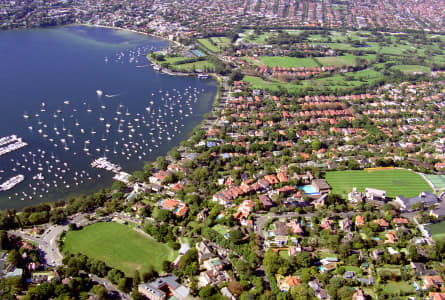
394	181
118	246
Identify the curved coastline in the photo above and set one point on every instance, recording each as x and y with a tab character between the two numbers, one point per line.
205	116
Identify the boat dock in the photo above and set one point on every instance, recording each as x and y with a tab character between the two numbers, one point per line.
104	163
12	143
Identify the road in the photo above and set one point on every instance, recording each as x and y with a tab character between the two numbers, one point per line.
424	232
109	286
47	241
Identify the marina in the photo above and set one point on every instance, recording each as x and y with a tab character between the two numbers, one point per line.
17	144
129	120
10	183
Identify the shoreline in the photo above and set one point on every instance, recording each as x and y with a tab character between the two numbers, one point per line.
102	185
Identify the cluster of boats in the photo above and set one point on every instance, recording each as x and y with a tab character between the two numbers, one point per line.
102	126
104	163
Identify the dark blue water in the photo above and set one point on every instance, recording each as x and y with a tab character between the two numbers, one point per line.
87	92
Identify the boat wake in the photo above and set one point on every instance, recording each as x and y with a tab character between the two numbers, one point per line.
112	96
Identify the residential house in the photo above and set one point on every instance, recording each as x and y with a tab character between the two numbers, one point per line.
355	197
383	225
267	202
320	293
436	282
225	292
286	283
244	211
178	207
349	275
419	268
345	224
400	221
390	237
204	252
437	296
327	224
163	288
358	295
295	227
158	177
359	221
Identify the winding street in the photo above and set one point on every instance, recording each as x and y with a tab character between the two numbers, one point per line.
47	241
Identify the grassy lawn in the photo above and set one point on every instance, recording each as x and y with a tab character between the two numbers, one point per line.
288	62
258	83
394	181
203	65
119	246
437	231
354	269
175	59
344	60
399	288
408	69
324	254
284	254
392	268
209	45
221	229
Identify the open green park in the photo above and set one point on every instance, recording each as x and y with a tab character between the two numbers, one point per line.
437	231
394	181
214	44
119	246
374	55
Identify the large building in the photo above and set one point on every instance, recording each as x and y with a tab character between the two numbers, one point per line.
321	186
427	198
163	288
375	195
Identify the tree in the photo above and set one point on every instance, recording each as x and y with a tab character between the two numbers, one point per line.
206	292
136	278
236	236
188	258
235	288
4	241
167	266
345	292
100	291
13	257
271	262
149	274
124	285
300	292
162	214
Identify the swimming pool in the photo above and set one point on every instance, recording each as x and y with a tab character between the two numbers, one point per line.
198	53
309	190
